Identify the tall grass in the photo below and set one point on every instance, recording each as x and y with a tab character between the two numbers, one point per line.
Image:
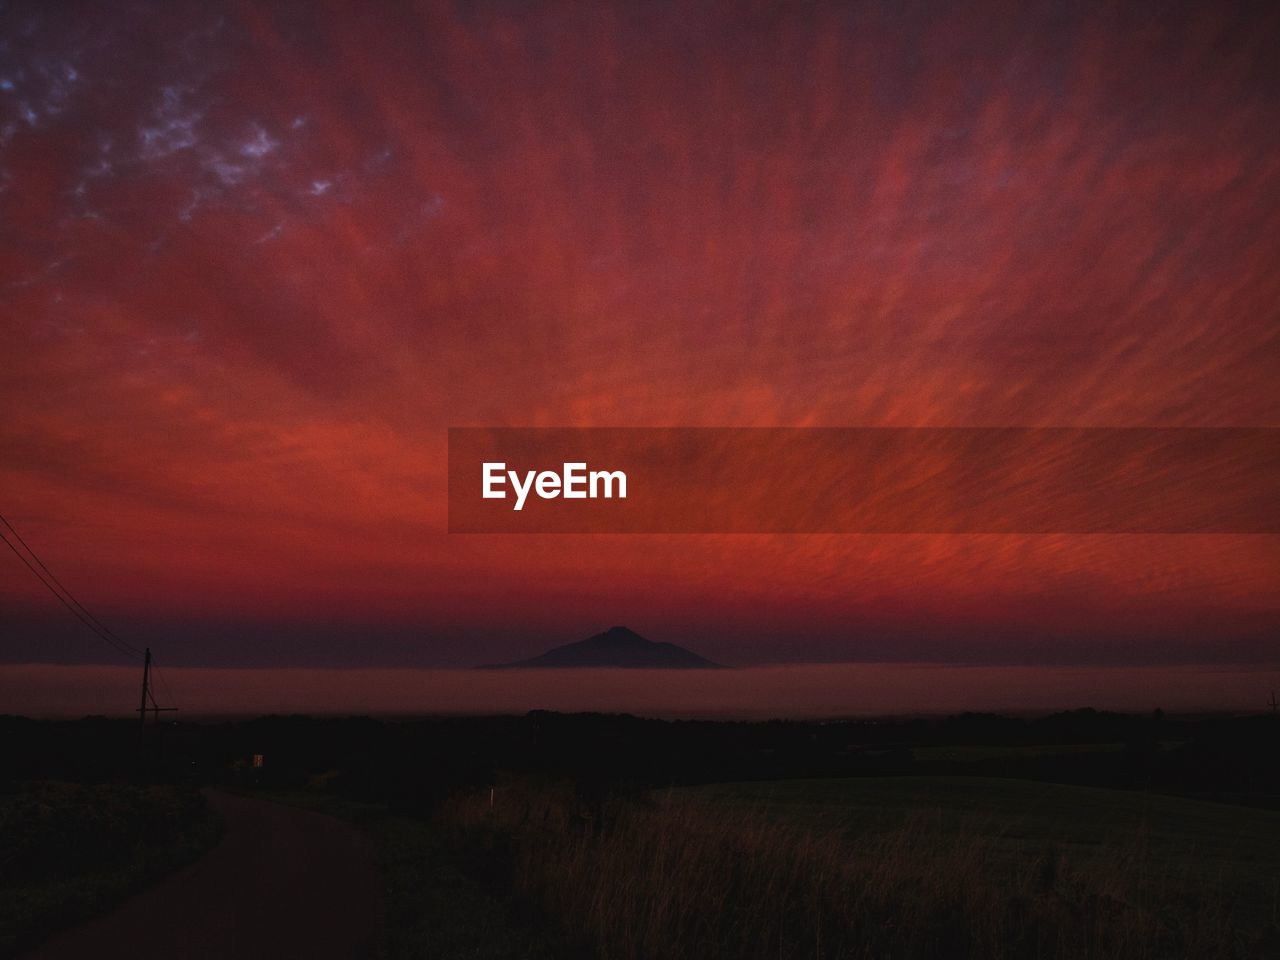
676	877
68	851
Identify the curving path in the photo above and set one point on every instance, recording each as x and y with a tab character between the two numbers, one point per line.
282	883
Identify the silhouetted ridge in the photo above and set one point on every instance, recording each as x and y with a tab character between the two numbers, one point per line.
616	647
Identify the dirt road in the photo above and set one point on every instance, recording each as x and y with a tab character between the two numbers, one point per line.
283	883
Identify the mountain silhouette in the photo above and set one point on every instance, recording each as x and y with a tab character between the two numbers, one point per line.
616	647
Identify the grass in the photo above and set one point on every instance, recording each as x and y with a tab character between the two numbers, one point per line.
1232	851
1241	844
897	867
909	867
70	851
441	903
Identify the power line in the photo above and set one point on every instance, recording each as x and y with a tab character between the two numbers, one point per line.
101	626
68	604
148	694
55	586
160	683
65	597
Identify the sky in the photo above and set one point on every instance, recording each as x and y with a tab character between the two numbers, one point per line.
256	258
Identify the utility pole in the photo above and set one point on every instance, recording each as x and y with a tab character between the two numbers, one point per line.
1272	703
155	708
146	689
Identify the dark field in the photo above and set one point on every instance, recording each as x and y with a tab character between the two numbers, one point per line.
612	837
68	851
1016	819
904	867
